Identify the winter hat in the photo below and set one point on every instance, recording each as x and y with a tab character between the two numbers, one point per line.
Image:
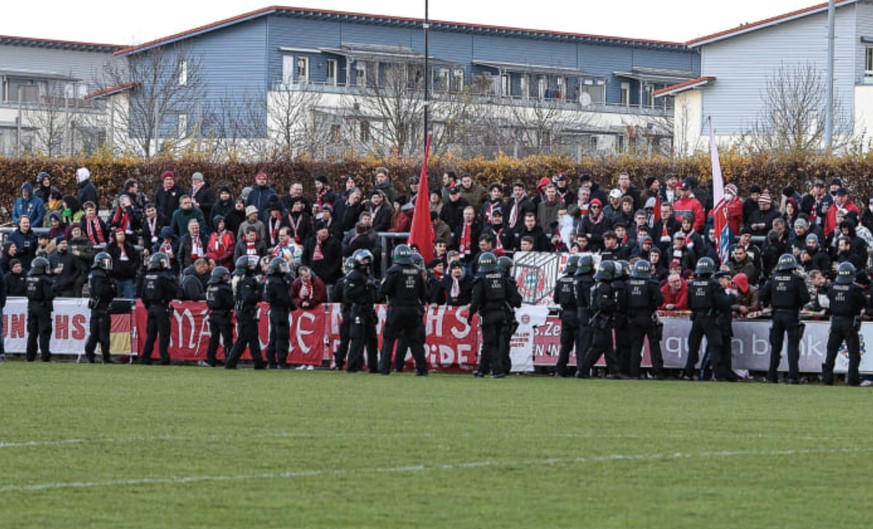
260	175
168	175
764	199
812	237
649	181
197	176
800	223
250	210
321	178
732	189
167	231
595	201
82	174
754	188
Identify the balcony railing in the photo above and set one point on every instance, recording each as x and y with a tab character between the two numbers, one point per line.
661	110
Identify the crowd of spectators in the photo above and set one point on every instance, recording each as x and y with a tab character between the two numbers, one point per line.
667	221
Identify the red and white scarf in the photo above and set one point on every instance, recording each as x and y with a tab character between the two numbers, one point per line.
95	234
466	236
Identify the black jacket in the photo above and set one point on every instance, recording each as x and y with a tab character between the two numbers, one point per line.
124	269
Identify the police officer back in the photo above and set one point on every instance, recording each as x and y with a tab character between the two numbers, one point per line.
489	300
846	302
514	299
403	344
362	292
277	293
639	300
336	296
622	337
102	289
584	282
159	288
406	291
706	299
39	309
565	296
219	299
603	307
248	294
786	293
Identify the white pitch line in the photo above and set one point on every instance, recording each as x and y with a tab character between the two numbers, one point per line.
294	474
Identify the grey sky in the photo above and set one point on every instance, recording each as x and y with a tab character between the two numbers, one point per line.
125	23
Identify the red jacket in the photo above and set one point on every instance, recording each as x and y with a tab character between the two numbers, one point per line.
222	246
316	296
831	220
679	299
735	215
690	205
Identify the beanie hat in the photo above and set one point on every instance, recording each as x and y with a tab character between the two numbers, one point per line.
764	198
260	175
168	174
732	189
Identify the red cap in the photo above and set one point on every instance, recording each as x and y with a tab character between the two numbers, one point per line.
260	175
168	174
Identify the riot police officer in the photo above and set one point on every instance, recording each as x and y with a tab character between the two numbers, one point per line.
603	307
39	309
514	299
622	336
159	288
786	293
248	294
219	299
639	300
336	296
277	293
846	302
362	292
489	300
406	291
565	296
706	299
102	289
584	282
403	344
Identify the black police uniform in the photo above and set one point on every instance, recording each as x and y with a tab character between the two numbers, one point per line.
639	300
102	289
601	320
277	293
786	293
846	302
584	283
622	336
339	357
406	291
489	299
248	294
362	292
219	299
159	288
39	316
565	296
706	299
723	368
513	301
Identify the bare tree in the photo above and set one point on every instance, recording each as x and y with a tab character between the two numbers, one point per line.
392	106
543	126
50	120
792	117
167	87
459	124
298	125
234	127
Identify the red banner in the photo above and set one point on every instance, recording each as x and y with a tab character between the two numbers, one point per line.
189	332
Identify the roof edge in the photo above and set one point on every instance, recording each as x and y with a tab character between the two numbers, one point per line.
681	87
24	40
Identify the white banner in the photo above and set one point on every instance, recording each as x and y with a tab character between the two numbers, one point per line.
70	327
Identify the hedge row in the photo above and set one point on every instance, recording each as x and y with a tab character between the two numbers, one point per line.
108	174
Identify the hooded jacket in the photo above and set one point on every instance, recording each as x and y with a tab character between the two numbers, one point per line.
30	205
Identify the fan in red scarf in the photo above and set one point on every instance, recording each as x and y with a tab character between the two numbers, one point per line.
93	227
221	242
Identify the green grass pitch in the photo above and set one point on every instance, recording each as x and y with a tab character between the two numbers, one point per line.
152	447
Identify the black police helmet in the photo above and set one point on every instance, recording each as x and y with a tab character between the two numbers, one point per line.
39	266
606	271
642	270
219	275
487	263
705	267
103	260
159	261
845	274
402	254
572	264
786	263
585	265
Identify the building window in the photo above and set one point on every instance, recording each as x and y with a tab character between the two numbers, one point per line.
619	143
361	73
183	125
625	94
183	73
525	86
505	84
441	80
542	86
562	88
336	133
331	72
287	69
301	69
868	64
592	92
457	79
365	131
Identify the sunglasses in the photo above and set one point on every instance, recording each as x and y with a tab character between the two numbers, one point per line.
594	207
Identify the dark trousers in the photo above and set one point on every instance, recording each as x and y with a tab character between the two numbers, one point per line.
39	325
362	333
702	325
493	333
339	356
843	330
158	326
584	344
785	321
404	323
246	336
403	345
622	344
101	322
601	345
280	333
639	328
570	339
220	330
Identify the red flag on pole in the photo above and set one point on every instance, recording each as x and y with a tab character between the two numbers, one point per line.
421	234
